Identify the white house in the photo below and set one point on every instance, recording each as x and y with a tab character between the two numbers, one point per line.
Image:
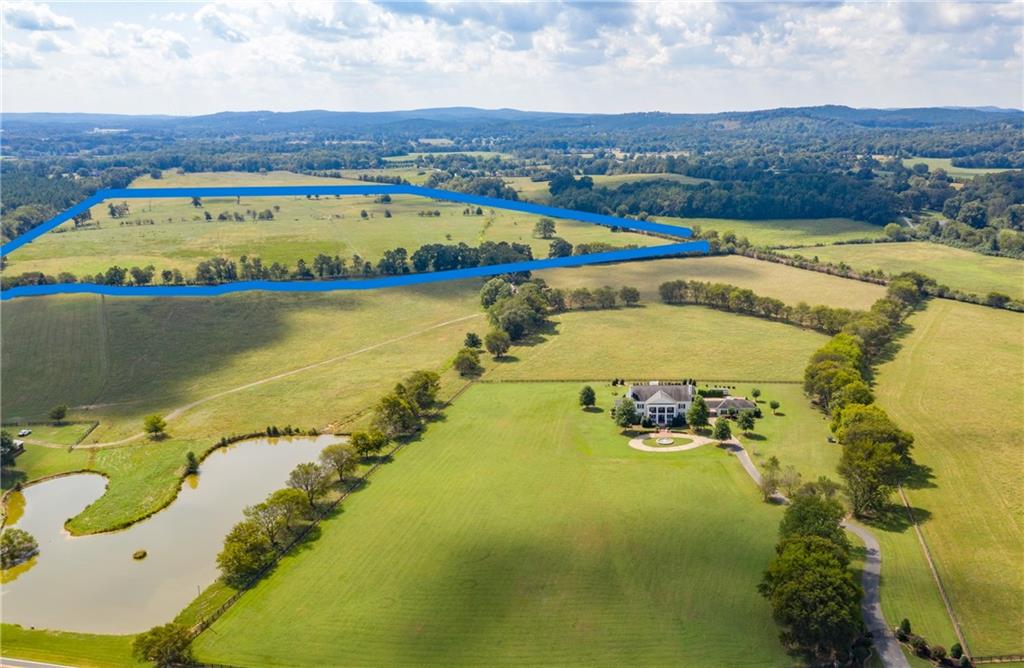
662	402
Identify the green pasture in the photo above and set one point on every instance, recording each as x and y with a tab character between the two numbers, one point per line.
784	232
78	649
958	386
302	228
656	341
947	165
535	537
769	279
959	269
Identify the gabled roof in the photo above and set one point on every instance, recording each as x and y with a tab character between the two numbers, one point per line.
730	404
668	393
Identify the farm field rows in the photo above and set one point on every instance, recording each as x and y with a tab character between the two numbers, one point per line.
959	269
534	537
968	420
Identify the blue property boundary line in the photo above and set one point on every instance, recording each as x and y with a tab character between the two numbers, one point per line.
348	284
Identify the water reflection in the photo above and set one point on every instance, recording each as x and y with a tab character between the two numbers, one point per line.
92	584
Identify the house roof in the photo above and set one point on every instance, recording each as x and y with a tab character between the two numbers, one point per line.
730	404
666	394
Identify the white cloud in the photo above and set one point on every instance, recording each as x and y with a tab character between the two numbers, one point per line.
17	57
32	16
550	55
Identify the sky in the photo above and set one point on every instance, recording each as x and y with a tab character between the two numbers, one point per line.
603	57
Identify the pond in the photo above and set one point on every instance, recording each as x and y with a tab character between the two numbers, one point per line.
92	584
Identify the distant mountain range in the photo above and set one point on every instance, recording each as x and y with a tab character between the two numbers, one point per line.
254	121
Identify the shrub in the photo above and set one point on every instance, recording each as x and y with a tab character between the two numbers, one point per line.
472	340
165	645
939	653
956	651
920	645
16	546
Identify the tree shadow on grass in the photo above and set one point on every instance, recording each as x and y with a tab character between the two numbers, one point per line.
754	437
11	477
919	476
505	359
593	409
547	330
896	519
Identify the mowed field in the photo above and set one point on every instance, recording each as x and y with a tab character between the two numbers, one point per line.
784	232
302	228
958	386
768	279
947	165
656	341
535	537
959	269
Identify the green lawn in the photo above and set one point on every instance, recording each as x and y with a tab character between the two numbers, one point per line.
79	649
535	537
947	164
62	434
958	386
656	341
959	269
302	228
788	232
769	279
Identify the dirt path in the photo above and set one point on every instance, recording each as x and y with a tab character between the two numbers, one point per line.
638	443
177	412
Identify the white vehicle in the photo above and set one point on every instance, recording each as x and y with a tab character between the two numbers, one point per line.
24	432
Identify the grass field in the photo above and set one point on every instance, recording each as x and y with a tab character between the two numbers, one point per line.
787	232
533	538
667	342
79	649
301	229
62	434
959	269
789	284
947	165
966	410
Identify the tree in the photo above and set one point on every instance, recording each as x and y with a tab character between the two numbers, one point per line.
774	406
560	248
698	414
191	463
869	471
16	546
789	481
629	296
269	518
340	457
494	290
472	340
745	420
814	515
545	228
467	363
368	442
587	396
755	393
396	416
421	388
814	597
245	554
497	342
197	202
722	431
155	425
625	413
604	297
167	645
6	448
310	479
292	504
58	413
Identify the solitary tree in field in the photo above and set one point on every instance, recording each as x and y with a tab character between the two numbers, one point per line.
191	463
722	431
755	393
545	228
197	202
587	397
472	340
467	362
775	406
155	425
58	413
497	342
746	421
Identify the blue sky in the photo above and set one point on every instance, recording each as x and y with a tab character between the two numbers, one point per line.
203	57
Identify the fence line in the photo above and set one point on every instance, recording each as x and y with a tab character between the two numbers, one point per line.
496	381
935	575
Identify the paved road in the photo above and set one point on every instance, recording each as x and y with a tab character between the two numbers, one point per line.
886	645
